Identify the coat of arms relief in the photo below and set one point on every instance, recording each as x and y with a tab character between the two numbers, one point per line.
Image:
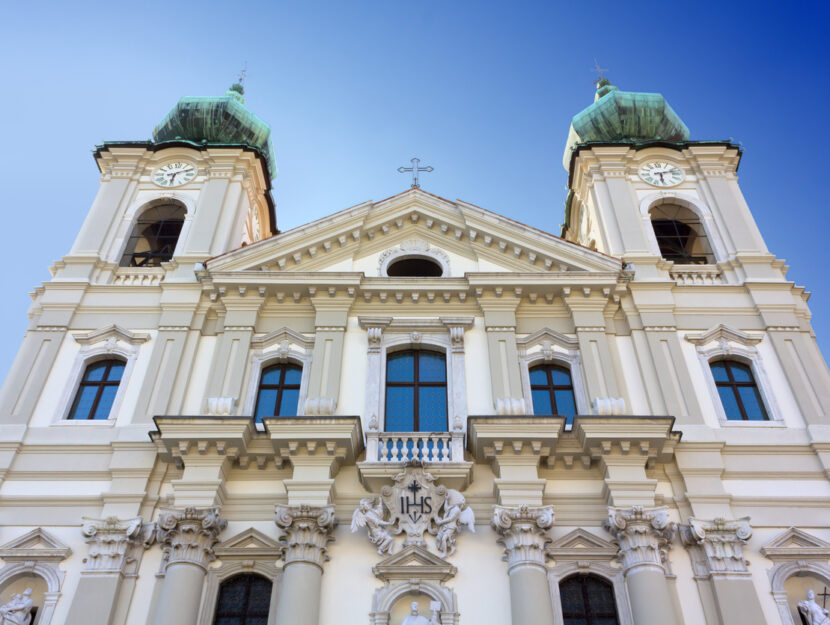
414	506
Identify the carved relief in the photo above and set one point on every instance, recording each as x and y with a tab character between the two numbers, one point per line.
413	247
414	505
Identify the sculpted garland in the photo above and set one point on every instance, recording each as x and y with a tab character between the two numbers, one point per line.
414	506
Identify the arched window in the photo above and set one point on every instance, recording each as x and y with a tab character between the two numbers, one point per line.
588	600
243	600
738	391
552	390
680	235
154	236
416	391
97	390
415	267
279	391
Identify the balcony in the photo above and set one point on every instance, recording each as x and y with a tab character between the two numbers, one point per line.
442	454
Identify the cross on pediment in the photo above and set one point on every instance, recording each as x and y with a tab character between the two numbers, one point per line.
415	169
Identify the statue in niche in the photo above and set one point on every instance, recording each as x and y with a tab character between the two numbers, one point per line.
456	511
18	611
413	618
812	612
369	514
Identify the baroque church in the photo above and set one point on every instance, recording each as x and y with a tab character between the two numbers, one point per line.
417	411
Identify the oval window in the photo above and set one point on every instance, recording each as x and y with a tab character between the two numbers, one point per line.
414	267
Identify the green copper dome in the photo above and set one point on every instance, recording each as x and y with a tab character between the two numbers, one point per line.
624	116
217	120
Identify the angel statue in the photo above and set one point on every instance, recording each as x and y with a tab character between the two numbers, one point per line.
369	514
456	511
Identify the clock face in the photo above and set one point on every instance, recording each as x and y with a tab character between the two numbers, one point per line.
174	174
661	174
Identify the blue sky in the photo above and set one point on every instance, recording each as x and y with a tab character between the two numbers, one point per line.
483	91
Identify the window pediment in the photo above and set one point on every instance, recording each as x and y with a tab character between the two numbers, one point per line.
111	334
723	335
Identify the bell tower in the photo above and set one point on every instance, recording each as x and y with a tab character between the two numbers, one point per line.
200	188
641	190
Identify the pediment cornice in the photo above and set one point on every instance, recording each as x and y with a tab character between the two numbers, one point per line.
37	545
453	226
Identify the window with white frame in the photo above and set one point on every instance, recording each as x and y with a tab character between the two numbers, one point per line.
279	391
416	391
97	390
552	391
735	376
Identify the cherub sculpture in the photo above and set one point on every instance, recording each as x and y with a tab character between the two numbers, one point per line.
369	514
456	511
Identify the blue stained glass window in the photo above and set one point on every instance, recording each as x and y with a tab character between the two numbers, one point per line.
243	600
416	392
552	391
738	392
97	390
279	391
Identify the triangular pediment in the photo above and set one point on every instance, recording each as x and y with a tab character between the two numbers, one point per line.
477	239
794	544
581	545
37	545
248	544
413	561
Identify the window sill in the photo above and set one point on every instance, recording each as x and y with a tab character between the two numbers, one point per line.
772	423
102	423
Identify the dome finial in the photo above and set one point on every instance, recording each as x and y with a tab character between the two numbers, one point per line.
603	85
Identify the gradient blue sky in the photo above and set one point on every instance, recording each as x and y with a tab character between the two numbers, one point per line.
483	91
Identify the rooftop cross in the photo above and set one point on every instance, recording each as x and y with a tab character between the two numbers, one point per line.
243	74
416	167
598	70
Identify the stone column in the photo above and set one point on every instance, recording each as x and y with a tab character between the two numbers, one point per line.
716	550
643	534
188	537
524	534
308	532
114	554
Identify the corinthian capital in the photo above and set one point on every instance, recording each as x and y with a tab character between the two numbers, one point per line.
307	532
112	544
717	545
642	534
189	535
523	532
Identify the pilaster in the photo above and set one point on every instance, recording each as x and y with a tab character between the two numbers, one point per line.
500	324
115	549
331	315
28	373
716	550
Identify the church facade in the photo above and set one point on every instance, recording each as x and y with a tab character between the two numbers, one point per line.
417	411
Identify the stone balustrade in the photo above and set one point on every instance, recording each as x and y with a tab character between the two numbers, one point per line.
422	446
696	274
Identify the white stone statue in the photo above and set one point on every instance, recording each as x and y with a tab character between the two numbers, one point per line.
369	514
456	511
416	619
18	611
813	613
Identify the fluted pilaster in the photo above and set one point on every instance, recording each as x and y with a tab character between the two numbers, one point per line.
111	543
